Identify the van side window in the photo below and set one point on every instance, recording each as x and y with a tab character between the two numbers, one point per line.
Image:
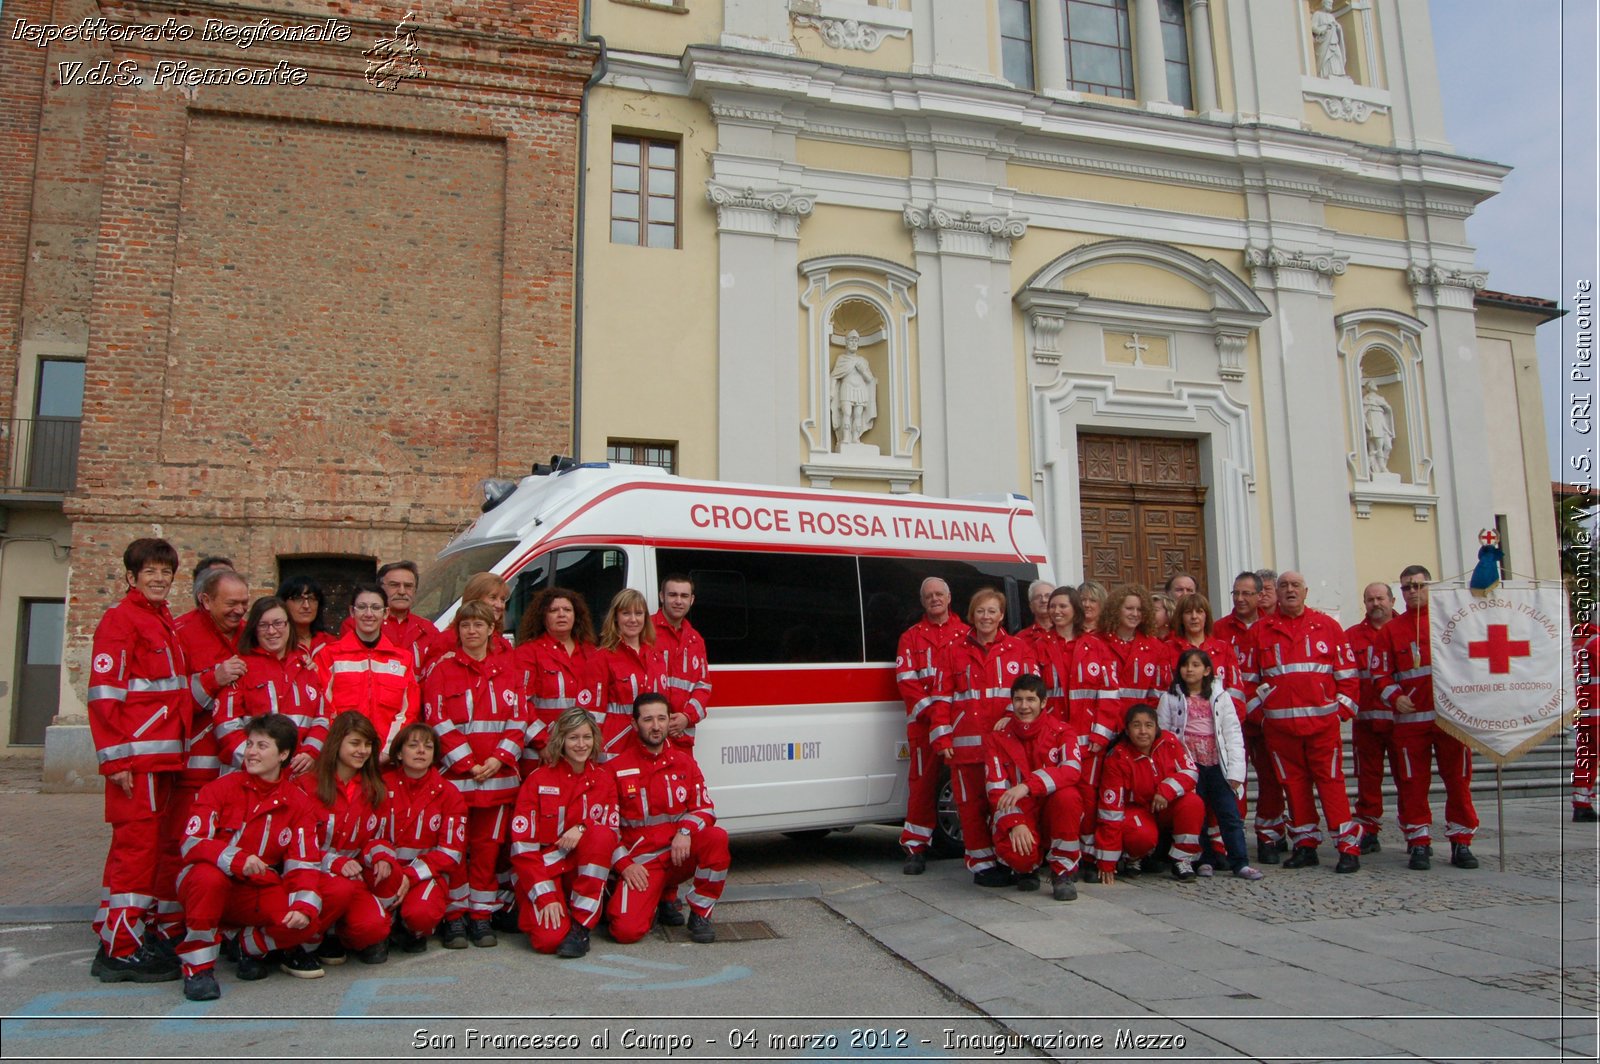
528	582
596	573
891	593
759	608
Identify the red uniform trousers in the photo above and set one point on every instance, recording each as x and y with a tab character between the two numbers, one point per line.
923	788
1371	745
1142	827
180	804
423	906
579	878
1585	736
212	900
1270	803
1415	751
1089	795
475	888
972	805
1057	822
633	912
1304	762
360	912
130	884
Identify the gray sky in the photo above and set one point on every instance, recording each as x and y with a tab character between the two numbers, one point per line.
1519	85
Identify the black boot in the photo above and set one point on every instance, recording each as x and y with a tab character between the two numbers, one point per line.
576	944
1302	857
669	915
453	934
1419	859
1266	853
1348	862
1461	855
1370	844
201	986
1584	814
916	863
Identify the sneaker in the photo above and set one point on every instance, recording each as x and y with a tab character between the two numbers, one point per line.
576	944
1303	857
669	915
1247	872
1370	844
377	953
1027	881
1204	871
480	933
1584	814
1182	871
700	929
916	863
998	876
1062	889
302	965
453	934
201	986
332	952
1129	869
1348	862
140	966
1266	853
252	968
1419	859
1461	856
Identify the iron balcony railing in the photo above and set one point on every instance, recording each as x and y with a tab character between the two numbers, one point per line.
41	455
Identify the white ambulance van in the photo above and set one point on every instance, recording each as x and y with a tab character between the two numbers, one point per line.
801	595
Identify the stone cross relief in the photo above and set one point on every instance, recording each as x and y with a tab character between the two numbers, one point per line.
852	388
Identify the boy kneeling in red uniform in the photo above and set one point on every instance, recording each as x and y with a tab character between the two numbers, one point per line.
1031	772
251	860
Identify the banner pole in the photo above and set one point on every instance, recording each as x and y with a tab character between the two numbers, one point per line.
1500	810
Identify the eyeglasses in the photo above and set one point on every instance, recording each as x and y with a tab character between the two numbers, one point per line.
272	626
304	596
1413	587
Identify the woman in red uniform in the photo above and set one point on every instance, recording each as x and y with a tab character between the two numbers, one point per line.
360	867
473	700
278	678
427	820
489	589
1057	651
972	690
365	672
561	665
631	668
563	837
1148	784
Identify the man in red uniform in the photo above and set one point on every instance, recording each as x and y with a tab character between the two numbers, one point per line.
915	664
1403	667
668	830
1235	628
684	653
138	712
252	861
1305	681
1372	732
405	629
210	637
1586	724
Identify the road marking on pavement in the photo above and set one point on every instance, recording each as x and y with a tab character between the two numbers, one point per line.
729	973
44	1009
363	994
14	963
27	927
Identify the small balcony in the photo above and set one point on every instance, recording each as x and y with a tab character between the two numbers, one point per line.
41	459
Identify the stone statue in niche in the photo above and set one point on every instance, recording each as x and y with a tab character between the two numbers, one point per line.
1377	417
1329	38
852	389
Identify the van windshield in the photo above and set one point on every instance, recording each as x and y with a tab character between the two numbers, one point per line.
442	582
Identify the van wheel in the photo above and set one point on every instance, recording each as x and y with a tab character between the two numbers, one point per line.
809	837
946	821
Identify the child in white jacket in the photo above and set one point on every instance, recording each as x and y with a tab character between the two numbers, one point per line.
1201	713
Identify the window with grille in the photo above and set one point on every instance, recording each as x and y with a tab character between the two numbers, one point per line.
1016	41
1175	43
1099	51
644	192
663	455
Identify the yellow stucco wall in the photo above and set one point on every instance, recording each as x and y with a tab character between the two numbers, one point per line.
1365	223
1377	129
649	367
835	230
1362	287
1388	541
644	27
852	158
892	54
1074	185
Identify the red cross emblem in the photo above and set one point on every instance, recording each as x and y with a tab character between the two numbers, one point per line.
1499	649
1489	538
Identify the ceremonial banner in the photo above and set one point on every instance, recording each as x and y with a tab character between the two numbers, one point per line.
1502	666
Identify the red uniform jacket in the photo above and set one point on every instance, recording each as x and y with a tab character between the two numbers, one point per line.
1370	711
628	674
427	821
657	795
1095	693
476	710
1058	660
290	687
352	828
1130	778
683	658
1303	672
1044	755
972	688
555	682
1144	669
1402	663
916	662
205	646
240	815
1237	635
139	702
378	683
554	798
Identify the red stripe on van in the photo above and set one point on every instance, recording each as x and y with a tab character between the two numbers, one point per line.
813	686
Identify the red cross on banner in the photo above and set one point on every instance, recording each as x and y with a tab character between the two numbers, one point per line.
1499	649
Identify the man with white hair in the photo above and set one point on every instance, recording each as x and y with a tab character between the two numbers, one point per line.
914	672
